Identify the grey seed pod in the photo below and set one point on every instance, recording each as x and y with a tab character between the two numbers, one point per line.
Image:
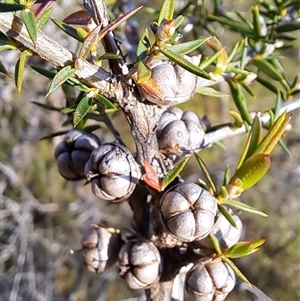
210	280
113	172
100	248
188	211
179	133
139	264
223	231
73	152
169	83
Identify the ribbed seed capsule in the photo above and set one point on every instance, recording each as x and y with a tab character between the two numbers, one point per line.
223	231
188	211
113	172
169	83
179	133
139	264
73	152
100	248
210	280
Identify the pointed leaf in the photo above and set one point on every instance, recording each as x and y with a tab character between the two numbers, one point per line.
250	172
248	89
226	176
89	42
143	73
166	11
274	134
47	107
240	101
187	47
236	270
182	62
81	110
215	242
7	7
211	92
7	47
267	84
238	120
235	50
209	60
256	244
206	173
54	135
242	206
28	19
71	31
255	136
63	75
173	173
50	73
227	215
105	102
44	17
19	70
240	249
143	46
286	27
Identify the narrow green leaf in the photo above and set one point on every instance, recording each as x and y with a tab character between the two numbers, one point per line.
50	73
143	46
244	152
284	147
166	11
209	60
143	72
215	242
178	21
234	51
54	135
19	70
181	61
90	42
28	19
81	110
7	47
109	56
267	84
188	47
248	89
47	107
72	81
278	104
62	76
244	207
240	101
263	65
240	249
227	215
274	134
7	7
69	30
256	244
256	22
244	53
238	120
236	270
68	110
173	173
44	17
255	136
250	172
226	176
211	92
286	27
206	173
105	102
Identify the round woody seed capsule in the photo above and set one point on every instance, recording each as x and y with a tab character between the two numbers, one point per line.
210	280
188	211
179	132
113	172
73	152
139	264
100	248
169	83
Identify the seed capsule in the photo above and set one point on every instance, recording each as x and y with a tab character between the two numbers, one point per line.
139	264
73	152
188	211
113	172
210	280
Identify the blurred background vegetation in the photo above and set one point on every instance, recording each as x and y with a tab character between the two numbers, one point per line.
43	216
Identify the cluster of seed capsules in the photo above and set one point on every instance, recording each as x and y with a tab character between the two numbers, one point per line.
188	212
